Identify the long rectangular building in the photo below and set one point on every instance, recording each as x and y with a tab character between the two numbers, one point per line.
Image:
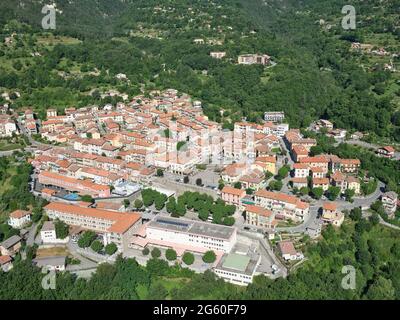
191	233
286	206
116	227
84	187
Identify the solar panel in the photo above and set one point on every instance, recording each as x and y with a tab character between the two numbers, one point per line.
175	223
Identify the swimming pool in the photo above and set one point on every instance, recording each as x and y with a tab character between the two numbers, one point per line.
72	196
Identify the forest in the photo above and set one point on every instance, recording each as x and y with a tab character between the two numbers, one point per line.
316	74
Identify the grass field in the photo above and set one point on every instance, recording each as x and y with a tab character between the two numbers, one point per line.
49	252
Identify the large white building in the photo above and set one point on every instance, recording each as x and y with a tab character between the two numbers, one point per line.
190	234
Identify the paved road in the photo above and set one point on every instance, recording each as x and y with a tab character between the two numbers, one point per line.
312	220
31	234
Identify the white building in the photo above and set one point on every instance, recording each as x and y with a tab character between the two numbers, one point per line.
274	116
48	234
191	234
19	218
237	268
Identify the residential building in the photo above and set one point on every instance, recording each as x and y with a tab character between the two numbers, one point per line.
274	116
5	263
387	151
389	201
260	217
288	251
248	59
19	218
282	205
233	195
10	246
330	215
84	187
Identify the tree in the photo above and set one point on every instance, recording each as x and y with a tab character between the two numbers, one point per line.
275	185
332	193
127	203
160	172
374	219
171	205
317	193
237	185
87	198
157	292
156	253
86	239
170	254
111	248
304	191
96	246
356	214
37	214
209	257
229	221
138	203
199	182
62	229
186	179
381	289
188	258
145	251
349	194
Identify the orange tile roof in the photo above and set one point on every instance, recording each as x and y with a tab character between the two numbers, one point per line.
121	221
331	206
258	210
320	181
18	214
234	191
5	259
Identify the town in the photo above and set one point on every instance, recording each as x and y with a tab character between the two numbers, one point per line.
154	177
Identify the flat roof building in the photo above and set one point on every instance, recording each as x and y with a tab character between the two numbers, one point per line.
238	268
193	235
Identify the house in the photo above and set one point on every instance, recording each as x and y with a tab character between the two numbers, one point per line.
248	59
54	263
299	182
218	54
267	163
301	170
274	116
350	165
282	205
330	215
48	234
10	246
6	263
232	195
317	172
299	152
288	251
19	218
389	202
320	183
260	217
387	151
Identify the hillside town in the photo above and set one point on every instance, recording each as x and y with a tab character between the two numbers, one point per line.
256	189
